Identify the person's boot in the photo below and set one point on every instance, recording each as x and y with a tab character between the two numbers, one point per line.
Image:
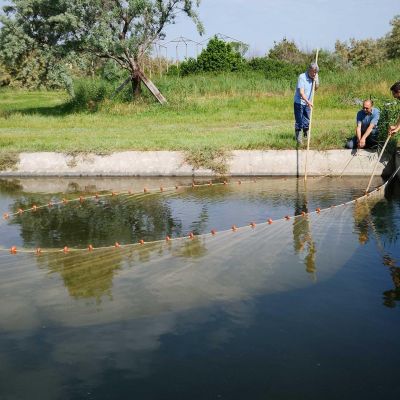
305	133
298	136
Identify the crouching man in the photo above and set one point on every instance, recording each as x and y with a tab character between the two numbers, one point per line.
367	127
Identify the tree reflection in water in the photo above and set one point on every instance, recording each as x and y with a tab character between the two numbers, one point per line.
100	222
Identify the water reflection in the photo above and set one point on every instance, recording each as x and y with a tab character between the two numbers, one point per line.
126	322
96	221
302	236
83	275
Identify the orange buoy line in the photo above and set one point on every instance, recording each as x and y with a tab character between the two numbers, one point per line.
191	236
146	191
39	251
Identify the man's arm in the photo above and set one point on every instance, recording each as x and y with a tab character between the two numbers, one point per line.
358	133
362	140
394	128
304	97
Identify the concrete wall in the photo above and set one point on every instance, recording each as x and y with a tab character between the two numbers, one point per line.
164	163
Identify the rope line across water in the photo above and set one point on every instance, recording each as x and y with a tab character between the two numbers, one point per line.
161	189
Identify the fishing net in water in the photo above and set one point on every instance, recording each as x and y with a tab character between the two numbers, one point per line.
137	253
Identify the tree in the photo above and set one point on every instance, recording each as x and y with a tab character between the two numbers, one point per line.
361	53
286	50
393	39
118	30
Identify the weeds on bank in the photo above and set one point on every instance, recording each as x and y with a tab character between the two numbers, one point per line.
8	161
208	158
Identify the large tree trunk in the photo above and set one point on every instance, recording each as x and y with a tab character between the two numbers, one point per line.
136	85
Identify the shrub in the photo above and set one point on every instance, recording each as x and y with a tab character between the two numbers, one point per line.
218	56
390	112
276	69
90	93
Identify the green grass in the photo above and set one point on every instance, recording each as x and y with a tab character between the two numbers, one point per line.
230	111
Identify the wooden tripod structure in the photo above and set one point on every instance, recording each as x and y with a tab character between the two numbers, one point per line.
141	77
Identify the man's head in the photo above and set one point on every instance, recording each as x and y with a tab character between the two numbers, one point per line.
313	70
396	90
367	106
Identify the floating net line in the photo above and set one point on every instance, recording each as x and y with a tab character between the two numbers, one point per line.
166	191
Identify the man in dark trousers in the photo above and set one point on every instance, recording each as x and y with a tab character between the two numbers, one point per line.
303	101
367	127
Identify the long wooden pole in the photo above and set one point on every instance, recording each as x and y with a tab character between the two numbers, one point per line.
348	162
377	161
309	127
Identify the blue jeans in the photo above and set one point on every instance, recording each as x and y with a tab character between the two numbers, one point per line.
301	116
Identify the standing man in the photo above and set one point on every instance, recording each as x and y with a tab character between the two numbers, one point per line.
396	94
303	101
367	127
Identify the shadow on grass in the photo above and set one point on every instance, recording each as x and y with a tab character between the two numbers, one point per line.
59	110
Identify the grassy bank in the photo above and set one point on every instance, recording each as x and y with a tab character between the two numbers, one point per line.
230	111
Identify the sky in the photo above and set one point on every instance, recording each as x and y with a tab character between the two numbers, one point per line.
310	23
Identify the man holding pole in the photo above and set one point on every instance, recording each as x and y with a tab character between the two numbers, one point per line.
303	101
396	94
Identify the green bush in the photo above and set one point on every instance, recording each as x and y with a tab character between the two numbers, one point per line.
190	66
390	112
276	69
218	56
90	93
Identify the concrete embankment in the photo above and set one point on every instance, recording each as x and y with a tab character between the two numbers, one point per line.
166	163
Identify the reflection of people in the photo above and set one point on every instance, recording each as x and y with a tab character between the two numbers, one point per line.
303	101
396	94
302	238
367	127
392	295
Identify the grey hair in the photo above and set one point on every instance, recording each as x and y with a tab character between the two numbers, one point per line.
314	66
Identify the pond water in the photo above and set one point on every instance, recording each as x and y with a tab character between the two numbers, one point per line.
304	307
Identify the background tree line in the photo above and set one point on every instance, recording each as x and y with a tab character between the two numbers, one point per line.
47	43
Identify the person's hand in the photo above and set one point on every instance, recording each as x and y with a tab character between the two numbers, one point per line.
392	130
361	143
310	104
